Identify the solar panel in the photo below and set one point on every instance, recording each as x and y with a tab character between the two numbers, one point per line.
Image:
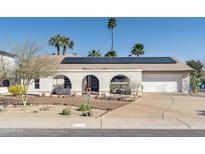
118	60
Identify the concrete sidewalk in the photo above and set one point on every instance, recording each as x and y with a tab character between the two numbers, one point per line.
52	123
98	123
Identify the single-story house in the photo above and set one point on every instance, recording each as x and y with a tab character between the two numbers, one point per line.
99	74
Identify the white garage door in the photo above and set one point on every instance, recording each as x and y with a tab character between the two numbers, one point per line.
159	82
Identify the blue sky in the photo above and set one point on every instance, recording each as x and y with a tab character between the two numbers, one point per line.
183	38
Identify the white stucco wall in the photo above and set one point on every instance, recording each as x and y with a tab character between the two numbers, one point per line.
186	82
46	85
76	77
179	80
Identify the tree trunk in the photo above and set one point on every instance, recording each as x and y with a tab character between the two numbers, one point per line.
1	82
64	50
112	41
24	99
58	50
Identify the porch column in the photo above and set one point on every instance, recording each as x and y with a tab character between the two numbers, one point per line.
76	82
104	84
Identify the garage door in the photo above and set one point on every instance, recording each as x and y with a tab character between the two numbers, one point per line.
159	82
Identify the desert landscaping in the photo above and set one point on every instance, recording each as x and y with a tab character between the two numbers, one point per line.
45	111
53	106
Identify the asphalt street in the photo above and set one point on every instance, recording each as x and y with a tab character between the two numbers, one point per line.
7	132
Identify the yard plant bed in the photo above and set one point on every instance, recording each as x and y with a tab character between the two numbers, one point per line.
75	101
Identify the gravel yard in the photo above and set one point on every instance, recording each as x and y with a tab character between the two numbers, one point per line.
45	111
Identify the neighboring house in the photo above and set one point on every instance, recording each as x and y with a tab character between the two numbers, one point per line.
8	60
155	74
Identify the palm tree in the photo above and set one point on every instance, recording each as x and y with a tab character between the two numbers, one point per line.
111	54
94	53
66	43
112	23
56	42
137	49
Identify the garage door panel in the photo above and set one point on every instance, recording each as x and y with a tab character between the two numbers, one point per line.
160	86
161	82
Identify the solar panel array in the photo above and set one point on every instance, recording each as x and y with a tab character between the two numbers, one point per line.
118	60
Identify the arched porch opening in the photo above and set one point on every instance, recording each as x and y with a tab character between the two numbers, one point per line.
61	85
90	83
120	84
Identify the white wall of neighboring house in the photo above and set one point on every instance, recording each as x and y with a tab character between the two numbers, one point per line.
9	60
10	63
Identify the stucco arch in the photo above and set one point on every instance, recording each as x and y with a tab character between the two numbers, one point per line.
61	79
120	84
120	75
90	82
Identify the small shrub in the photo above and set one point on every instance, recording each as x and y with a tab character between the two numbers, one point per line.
85	107
17	90
66	111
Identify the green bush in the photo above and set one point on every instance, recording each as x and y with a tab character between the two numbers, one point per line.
66	111
195	81
17	90
85	107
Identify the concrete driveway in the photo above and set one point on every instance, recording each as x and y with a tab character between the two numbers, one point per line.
160	111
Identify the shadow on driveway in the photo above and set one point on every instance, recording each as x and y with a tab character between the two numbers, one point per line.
200	112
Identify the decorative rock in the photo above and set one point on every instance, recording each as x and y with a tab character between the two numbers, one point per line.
10	105
97	97
44	108
1	108
90	113
84	114
47	94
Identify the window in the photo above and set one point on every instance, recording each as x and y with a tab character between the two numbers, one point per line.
37	83
5	83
